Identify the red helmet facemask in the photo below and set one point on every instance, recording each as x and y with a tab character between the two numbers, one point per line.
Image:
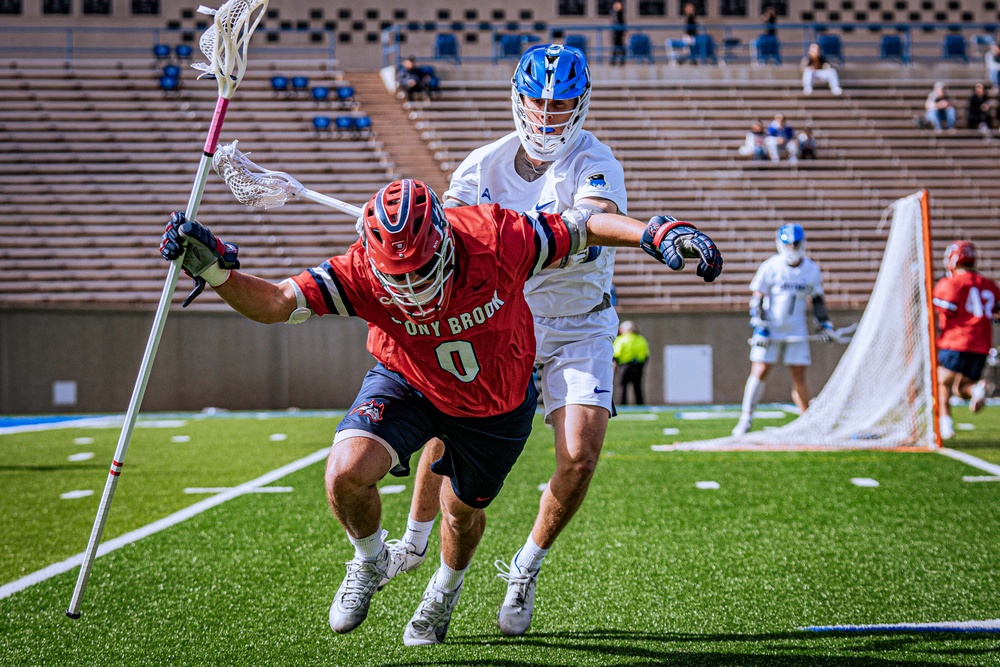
409	247
959	253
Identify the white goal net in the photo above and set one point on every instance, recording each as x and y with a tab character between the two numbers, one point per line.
881	394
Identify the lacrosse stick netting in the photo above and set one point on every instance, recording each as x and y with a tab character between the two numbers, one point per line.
258	187
225	46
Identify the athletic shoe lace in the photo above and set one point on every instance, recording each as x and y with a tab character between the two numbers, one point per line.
433	611
362	579
514	577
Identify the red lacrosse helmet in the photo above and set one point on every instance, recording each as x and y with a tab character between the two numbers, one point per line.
959	253
409	246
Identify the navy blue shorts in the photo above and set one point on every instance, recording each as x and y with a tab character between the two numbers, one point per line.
968	364
479	451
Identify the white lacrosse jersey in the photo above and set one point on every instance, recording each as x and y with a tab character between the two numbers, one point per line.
487	176
788	291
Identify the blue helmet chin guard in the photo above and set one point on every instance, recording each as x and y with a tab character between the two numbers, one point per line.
550	72
791	243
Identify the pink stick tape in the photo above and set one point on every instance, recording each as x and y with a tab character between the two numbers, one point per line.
212	141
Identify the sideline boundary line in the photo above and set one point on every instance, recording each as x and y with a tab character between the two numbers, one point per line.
971	460
161	524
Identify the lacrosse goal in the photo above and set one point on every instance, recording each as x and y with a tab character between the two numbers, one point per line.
881	394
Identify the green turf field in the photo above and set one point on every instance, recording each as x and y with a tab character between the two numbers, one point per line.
653	571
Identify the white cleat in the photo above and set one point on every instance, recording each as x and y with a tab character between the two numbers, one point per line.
980	391
350	604
743	425
403	557
514	617
430	621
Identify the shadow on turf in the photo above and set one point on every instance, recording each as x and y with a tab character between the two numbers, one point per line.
796	649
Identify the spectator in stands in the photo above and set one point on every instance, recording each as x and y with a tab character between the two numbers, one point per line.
781	137
965	302
978	114
993	65
940	110
755	142
770	21
807	144
782	288
618	33
690	23
631	355
816	68
414	80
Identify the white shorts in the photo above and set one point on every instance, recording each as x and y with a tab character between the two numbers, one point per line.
790	354
575	356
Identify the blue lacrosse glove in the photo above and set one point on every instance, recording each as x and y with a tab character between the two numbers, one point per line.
206	258
670	241
826	333
761	336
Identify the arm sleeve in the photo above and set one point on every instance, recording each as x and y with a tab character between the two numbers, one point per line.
945	296
541	239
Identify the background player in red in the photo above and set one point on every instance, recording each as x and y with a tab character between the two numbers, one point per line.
966	302
453	335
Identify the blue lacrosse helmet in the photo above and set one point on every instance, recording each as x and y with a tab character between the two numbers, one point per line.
549	72
791	243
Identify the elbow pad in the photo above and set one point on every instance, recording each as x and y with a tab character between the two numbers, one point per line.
302	310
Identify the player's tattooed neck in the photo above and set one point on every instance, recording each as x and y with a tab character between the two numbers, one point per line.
525	169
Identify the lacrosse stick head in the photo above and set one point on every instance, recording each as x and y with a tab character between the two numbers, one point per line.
226	41
251	184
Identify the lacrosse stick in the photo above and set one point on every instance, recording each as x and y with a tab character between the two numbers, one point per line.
258	187
225	45
842	336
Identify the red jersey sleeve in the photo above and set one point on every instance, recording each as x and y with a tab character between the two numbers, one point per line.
337	286
538	239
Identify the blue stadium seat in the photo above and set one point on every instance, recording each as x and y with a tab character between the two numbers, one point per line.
891	47
345	124
954	48
831	48
183	51
169	84
509	46
640	48
446	47
363	125
172	71
300	84
345	96
703	50
321	124
279	84
161	52
577	42
320	94
767	49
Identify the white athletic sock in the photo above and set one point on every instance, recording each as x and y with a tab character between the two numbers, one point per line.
530	556
418	532
368	548
448	579
751	394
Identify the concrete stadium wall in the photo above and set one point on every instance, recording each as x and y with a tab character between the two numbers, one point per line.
222	360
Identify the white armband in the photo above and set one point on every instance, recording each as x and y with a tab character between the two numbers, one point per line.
576	221
302	310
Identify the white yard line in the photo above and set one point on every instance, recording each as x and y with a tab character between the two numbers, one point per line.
973	461
177	517
992	625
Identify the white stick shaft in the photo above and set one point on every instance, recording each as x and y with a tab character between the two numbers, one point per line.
326	200
145	368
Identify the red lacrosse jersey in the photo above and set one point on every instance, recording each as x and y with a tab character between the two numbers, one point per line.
475	358
966	302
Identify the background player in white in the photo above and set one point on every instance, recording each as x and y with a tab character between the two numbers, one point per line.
548	164
782	288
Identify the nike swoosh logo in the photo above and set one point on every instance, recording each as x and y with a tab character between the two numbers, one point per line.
482	500
539	207
480	285
598	390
